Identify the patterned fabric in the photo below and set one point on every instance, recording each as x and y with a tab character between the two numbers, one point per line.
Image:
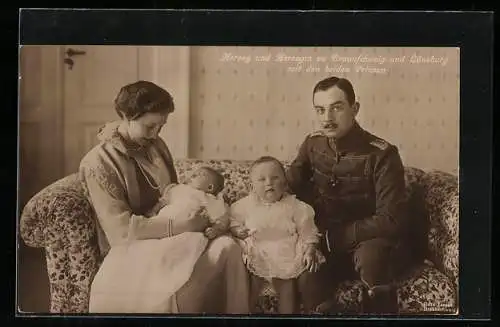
424	290
61	220
441	202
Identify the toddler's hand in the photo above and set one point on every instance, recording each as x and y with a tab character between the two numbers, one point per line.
210	233
310	259
241	232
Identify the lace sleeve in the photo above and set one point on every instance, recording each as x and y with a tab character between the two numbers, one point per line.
108	196
237	214
304	220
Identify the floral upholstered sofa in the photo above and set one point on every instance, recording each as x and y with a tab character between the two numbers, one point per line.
60	220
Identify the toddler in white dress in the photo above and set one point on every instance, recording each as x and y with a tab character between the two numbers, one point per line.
277	233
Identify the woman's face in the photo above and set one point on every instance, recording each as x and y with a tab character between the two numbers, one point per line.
146	128
268	181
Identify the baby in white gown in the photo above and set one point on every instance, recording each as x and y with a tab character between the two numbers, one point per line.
201	191
170	258
277	233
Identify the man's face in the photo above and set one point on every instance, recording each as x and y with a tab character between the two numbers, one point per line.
334	113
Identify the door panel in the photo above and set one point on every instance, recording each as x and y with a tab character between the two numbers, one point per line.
96	77
90	87
40	125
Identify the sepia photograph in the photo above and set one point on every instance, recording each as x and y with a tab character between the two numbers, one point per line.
314	181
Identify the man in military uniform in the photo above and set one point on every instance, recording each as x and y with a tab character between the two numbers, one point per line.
355	182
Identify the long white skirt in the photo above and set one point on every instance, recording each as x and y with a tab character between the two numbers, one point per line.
143	276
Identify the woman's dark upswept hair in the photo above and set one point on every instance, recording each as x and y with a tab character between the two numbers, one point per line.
138	98
342	83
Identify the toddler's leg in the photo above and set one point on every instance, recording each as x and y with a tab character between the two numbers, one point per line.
287	295
256	284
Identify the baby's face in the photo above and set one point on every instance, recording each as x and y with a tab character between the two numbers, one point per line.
268	181
203	181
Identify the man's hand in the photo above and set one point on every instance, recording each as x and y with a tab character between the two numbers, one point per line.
310	259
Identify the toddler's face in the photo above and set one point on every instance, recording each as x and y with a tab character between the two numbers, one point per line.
268	181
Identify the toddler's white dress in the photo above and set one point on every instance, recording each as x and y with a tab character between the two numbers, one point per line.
279	234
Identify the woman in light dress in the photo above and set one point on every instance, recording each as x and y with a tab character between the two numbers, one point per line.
124	176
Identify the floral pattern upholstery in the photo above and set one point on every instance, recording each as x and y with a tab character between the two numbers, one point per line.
441	201
62	221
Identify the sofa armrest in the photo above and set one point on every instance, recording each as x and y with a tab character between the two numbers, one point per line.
58	210
60	219
442	204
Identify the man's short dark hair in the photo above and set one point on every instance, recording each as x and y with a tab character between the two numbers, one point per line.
342	83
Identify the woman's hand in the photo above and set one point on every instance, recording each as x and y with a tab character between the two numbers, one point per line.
196	222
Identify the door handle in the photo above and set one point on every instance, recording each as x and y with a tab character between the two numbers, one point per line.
71	53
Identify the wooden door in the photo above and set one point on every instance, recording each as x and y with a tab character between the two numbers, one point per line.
96	76
92	81
41	155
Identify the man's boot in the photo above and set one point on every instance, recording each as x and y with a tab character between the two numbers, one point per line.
325	308
380	300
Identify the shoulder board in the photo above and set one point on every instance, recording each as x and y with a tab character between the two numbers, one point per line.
381	144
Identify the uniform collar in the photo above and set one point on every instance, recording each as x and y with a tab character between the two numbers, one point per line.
350	138
345	142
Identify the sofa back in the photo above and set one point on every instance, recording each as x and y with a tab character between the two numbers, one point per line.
236	174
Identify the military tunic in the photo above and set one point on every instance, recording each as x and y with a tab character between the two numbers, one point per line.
356	185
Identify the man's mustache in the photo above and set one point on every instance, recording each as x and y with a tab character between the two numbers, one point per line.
329	125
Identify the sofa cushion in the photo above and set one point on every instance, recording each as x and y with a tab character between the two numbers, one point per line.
424	290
